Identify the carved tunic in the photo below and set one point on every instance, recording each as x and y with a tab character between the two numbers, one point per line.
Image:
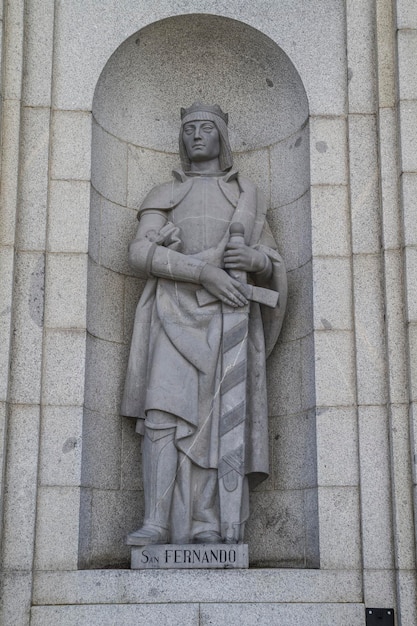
175	360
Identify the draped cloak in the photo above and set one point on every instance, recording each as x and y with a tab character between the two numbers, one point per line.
175	356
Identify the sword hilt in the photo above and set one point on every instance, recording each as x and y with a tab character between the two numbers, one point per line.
237	235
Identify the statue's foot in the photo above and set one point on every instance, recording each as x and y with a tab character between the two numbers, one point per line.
146	535
208	536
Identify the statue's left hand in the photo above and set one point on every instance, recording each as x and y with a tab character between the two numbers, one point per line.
239	256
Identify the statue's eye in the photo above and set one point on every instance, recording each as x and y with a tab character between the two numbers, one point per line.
188	130
208	128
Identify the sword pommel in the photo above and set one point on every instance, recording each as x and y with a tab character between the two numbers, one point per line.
236	229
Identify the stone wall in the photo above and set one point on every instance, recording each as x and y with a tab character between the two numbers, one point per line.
90	93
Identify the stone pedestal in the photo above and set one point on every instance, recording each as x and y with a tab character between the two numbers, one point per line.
192	556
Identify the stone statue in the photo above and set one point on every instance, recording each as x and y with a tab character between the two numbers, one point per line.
196	375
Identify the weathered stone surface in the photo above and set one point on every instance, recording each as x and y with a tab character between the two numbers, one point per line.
68	216
108	615
260	585
71	154
302	615
329	145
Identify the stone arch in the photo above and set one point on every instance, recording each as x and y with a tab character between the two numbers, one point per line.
169	64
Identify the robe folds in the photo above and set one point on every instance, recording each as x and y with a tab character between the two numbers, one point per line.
175	357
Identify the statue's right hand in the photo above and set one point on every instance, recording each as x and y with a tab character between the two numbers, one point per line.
222	286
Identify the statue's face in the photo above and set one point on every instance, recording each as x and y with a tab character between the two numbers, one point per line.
201	140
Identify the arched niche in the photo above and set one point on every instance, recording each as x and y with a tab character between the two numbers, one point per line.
167	65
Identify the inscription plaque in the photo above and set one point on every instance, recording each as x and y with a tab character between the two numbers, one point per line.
190	556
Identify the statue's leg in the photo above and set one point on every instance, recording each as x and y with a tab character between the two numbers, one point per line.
181	503
195	506
205	509
159	459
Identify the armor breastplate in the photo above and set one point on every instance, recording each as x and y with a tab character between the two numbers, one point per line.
203	215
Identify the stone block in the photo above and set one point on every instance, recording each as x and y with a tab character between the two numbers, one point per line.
337	447
60	451
6	289
261	585
308	387
406	14
284	379
107	362
275	530
332	287
414	439
57	528
395	328
13	52
411	283
361	44
94	226
289	166
68	216
408	126
407	597
131	456
110	615
255	165
339	523
16	598
33	180
412	340
146	169
71	145
293	462
299	313
330	220
407	54
25	374
63	382
109	165
291	226
409	193
20	487
386	45
328	139
105	303
379	588
402	479
114	514
10	110
132	293
118	229
250	613
3	429
38	53
312	534
335	376
370	329
365	200
101	450
375	488
190	556
66	291
391	215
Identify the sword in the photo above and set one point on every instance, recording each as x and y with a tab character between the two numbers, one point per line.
231	467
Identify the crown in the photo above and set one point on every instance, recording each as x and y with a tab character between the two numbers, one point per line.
205	108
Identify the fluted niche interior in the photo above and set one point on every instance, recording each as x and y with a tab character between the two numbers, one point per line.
167	65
